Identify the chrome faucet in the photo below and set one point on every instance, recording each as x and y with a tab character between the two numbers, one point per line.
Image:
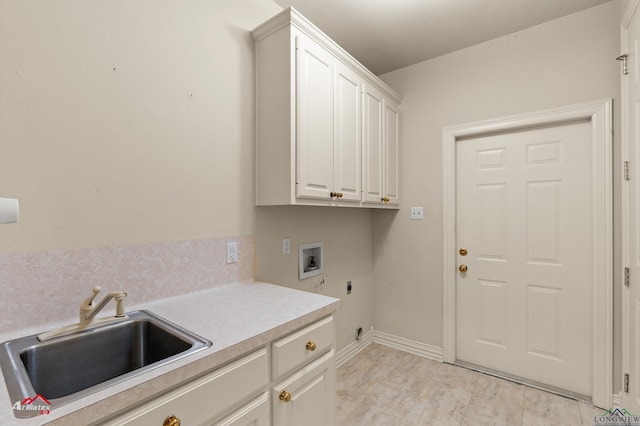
89	310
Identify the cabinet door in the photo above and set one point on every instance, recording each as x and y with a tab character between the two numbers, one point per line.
204	399
347	130
390	143
314	125
372	188
256	413
311	394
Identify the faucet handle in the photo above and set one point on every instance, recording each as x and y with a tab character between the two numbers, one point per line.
88	303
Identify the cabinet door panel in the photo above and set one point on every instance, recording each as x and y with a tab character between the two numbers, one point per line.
390	164
256	413
203	399
312	393
372	136
314	134
347	133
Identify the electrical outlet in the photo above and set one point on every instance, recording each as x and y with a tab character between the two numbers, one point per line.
232	252
417	213
286	246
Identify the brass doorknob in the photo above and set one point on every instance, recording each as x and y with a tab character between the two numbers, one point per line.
463	251
311	346
171	421
462	268
284	396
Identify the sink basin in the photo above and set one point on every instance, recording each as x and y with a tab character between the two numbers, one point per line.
68	368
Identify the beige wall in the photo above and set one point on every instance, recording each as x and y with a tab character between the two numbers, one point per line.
346	233
133	122
566	61
127	121
130	122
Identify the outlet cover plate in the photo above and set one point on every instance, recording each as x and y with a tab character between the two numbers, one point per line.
232	252
417	213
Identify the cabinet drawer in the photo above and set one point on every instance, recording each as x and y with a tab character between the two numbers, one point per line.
206	398
301	347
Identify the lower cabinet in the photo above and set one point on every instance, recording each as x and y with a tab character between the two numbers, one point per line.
308	397
206	399
256	413
297	389
304	371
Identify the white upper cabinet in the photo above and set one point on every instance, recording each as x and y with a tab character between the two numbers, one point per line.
380	149
314	116
372	188
390	184
320	138
347	159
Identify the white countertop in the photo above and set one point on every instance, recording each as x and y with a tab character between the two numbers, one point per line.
237	318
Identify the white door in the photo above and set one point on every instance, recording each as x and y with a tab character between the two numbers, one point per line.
524	217
347	133
632	293
314	131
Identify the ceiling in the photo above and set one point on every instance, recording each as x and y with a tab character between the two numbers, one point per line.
389	34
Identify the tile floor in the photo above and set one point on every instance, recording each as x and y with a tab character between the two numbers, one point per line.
386	387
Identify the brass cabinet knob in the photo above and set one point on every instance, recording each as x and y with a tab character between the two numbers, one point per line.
340	195
171	421
284	396
463	251
333	194
311	346
385	199
462	268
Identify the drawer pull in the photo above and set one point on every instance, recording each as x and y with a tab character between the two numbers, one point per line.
171	421
285	396
311	346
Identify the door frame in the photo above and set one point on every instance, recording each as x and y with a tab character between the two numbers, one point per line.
628	15
598	113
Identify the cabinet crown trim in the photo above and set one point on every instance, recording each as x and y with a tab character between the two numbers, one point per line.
291	17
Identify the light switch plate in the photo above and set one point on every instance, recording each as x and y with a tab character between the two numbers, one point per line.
286	246
417	213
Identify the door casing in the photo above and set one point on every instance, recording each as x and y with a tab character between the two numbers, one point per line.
632	9
598	113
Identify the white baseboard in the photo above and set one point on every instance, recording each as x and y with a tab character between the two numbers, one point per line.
400	343
408	345
354	348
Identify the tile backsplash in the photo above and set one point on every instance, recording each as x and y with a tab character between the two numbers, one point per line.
38	288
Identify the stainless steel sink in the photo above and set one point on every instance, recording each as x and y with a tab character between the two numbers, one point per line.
68	368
